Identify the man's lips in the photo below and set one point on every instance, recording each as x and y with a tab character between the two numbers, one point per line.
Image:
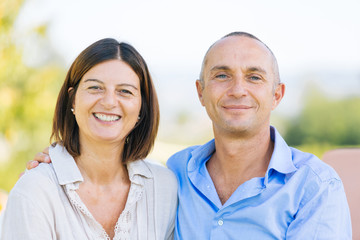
236	107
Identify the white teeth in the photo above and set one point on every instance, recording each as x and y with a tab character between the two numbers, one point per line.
107	118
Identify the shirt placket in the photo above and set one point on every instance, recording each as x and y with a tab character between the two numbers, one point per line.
80	206
245	191
126	220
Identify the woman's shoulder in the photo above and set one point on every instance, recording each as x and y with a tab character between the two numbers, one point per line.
32	203
41	179
162	177
159	171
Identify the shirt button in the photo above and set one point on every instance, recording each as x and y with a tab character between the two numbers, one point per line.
220	222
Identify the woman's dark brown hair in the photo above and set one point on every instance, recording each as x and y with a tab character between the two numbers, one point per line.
141	139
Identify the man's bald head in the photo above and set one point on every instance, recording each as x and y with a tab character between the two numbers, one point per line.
248	35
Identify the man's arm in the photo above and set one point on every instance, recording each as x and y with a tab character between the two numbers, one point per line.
41	157
324	214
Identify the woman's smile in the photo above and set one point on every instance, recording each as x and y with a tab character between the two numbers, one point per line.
107	117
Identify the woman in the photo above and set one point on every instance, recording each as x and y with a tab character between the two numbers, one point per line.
97	187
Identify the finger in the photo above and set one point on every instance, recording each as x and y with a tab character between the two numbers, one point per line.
42	157
31	164
46	151
38	156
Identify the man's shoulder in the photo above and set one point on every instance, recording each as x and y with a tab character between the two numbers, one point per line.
180	159
305	161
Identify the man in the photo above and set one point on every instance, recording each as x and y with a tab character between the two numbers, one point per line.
247	183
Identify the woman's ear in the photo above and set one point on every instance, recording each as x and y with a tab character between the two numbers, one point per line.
70	89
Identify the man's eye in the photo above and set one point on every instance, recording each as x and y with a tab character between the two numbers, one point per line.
254	78
221	76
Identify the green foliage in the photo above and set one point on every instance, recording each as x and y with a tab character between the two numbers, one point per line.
27	100
326	121
28	95
317	149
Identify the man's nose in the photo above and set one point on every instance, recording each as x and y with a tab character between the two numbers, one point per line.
237	87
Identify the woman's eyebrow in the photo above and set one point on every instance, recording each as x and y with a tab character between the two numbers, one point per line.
118	85
93	80
127	85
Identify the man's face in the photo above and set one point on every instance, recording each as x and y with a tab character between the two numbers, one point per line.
239	88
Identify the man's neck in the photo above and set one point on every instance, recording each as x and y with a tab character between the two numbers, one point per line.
237	160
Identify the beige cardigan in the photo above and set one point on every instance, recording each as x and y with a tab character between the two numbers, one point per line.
44	204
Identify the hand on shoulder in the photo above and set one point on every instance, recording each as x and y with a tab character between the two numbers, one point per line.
41	157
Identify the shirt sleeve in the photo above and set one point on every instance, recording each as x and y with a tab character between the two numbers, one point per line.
25	219
171	229
169	203
323	214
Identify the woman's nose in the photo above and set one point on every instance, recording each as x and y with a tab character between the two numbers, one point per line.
109	99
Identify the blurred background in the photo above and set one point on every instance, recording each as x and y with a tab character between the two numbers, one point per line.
317	44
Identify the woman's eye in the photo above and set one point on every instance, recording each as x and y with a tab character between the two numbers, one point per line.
94	88
125	91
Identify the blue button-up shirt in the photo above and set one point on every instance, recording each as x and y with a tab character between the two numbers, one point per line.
300	197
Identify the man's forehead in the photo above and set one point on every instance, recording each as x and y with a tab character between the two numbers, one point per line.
237	44
234	50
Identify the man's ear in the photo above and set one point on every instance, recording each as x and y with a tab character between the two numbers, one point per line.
278	94
200	88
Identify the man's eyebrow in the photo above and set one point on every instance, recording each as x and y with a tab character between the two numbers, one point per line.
256	69
222	67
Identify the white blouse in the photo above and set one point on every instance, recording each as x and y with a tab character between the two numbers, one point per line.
44	204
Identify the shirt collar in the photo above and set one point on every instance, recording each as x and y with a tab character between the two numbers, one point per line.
64	165
137	170
68	172
200	155
281	159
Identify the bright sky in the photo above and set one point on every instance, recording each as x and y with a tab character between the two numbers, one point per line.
306	36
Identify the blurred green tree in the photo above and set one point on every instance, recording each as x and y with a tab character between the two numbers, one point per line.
326	121
27	100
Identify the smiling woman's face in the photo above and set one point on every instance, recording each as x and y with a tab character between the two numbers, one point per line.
107	102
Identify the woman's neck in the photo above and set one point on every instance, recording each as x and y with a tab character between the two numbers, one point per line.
102	163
